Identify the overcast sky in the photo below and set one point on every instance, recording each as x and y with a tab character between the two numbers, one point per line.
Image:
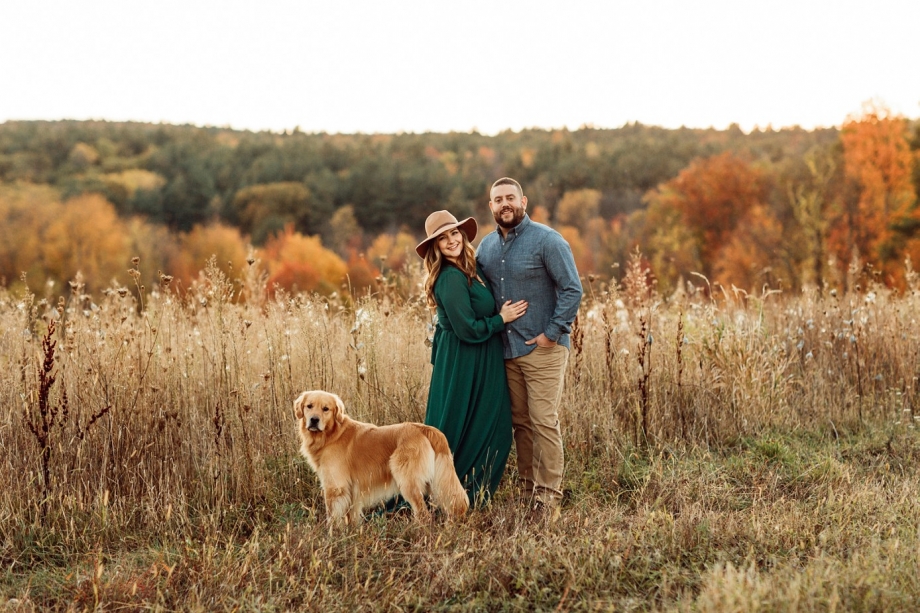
418	66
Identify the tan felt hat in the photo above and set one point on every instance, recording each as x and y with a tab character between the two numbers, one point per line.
441	221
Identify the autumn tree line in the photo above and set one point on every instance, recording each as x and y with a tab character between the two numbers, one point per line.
779	209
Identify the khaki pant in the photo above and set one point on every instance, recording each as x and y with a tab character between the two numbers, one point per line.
535	381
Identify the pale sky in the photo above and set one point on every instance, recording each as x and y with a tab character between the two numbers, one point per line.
417	66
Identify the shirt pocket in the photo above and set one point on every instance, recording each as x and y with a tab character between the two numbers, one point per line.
531	268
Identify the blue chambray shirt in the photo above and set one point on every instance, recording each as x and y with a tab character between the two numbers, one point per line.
533	263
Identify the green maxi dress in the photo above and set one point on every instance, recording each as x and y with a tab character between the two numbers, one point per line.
468	399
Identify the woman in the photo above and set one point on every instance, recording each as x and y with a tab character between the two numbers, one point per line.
468	398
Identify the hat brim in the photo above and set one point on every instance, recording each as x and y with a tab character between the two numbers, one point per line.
468	226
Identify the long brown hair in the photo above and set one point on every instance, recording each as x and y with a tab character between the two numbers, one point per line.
435	262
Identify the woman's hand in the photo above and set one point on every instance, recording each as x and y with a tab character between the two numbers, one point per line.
512	310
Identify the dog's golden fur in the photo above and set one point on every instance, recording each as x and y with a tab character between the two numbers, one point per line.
360	465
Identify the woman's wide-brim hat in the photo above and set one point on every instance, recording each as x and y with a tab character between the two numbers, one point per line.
438	223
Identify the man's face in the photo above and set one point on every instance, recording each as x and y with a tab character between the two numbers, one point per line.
508	205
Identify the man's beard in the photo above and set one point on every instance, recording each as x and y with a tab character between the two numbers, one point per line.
518	215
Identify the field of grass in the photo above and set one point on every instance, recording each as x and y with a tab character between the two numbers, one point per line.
724	453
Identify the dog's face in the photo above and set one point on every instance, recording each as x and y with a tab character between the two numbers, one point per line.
319	411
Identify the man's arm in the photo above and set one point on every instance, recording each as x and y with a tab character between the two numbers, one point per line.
560	265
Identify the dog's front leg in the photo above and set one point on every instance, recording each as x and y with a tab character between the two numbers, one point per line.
355	516
338	504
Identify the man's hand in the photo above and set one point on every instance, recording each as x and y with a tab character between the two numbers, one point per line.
541	341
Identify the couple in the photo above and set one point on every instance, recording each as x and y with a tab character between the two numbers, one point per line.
501	345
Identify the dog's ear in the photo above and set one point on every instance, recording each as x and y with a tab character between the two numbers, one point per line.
298	405
339	409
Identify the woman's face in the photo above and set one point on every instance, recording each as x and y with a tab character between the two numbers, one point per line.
450	243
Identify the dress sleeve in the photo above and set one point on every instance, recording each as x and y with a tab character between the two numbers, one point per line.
452	292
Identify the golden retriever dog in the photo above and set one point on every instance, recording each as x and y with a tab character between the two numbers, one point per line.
360	465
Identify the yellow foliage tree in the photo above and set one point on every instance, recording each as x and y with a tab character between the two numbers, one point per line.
198	246
133	180
391	252
25	211
89	237
578	208
670	246
82	156
157	247
344	234
265	209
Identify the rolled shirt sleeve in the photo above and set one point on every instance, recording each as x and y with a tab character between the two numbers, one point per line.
560	265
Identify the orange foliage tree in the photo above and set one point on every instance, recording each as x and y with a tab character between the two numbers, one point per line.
300	263
362	275
880	218
747	260
691	218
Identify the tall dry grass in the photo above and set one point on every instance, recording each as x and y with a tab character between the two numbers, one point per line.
715	444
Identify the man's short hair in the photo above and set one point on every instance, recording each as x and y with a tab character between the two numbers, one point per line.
507	181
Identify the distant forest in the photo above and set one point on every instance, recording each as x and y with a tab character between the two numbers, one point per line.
779	208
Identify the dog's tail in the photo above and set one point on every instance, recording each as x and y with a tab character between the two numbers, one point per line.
447	492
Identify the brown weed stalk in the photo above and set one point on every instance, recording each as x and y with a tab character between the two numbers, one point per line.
42	419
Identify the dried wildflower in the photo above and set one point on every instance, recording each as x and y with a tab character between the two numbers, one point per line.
122	292
250	260
135	260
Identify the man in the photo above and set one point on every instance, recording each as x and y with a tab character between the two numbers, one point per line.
526	260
